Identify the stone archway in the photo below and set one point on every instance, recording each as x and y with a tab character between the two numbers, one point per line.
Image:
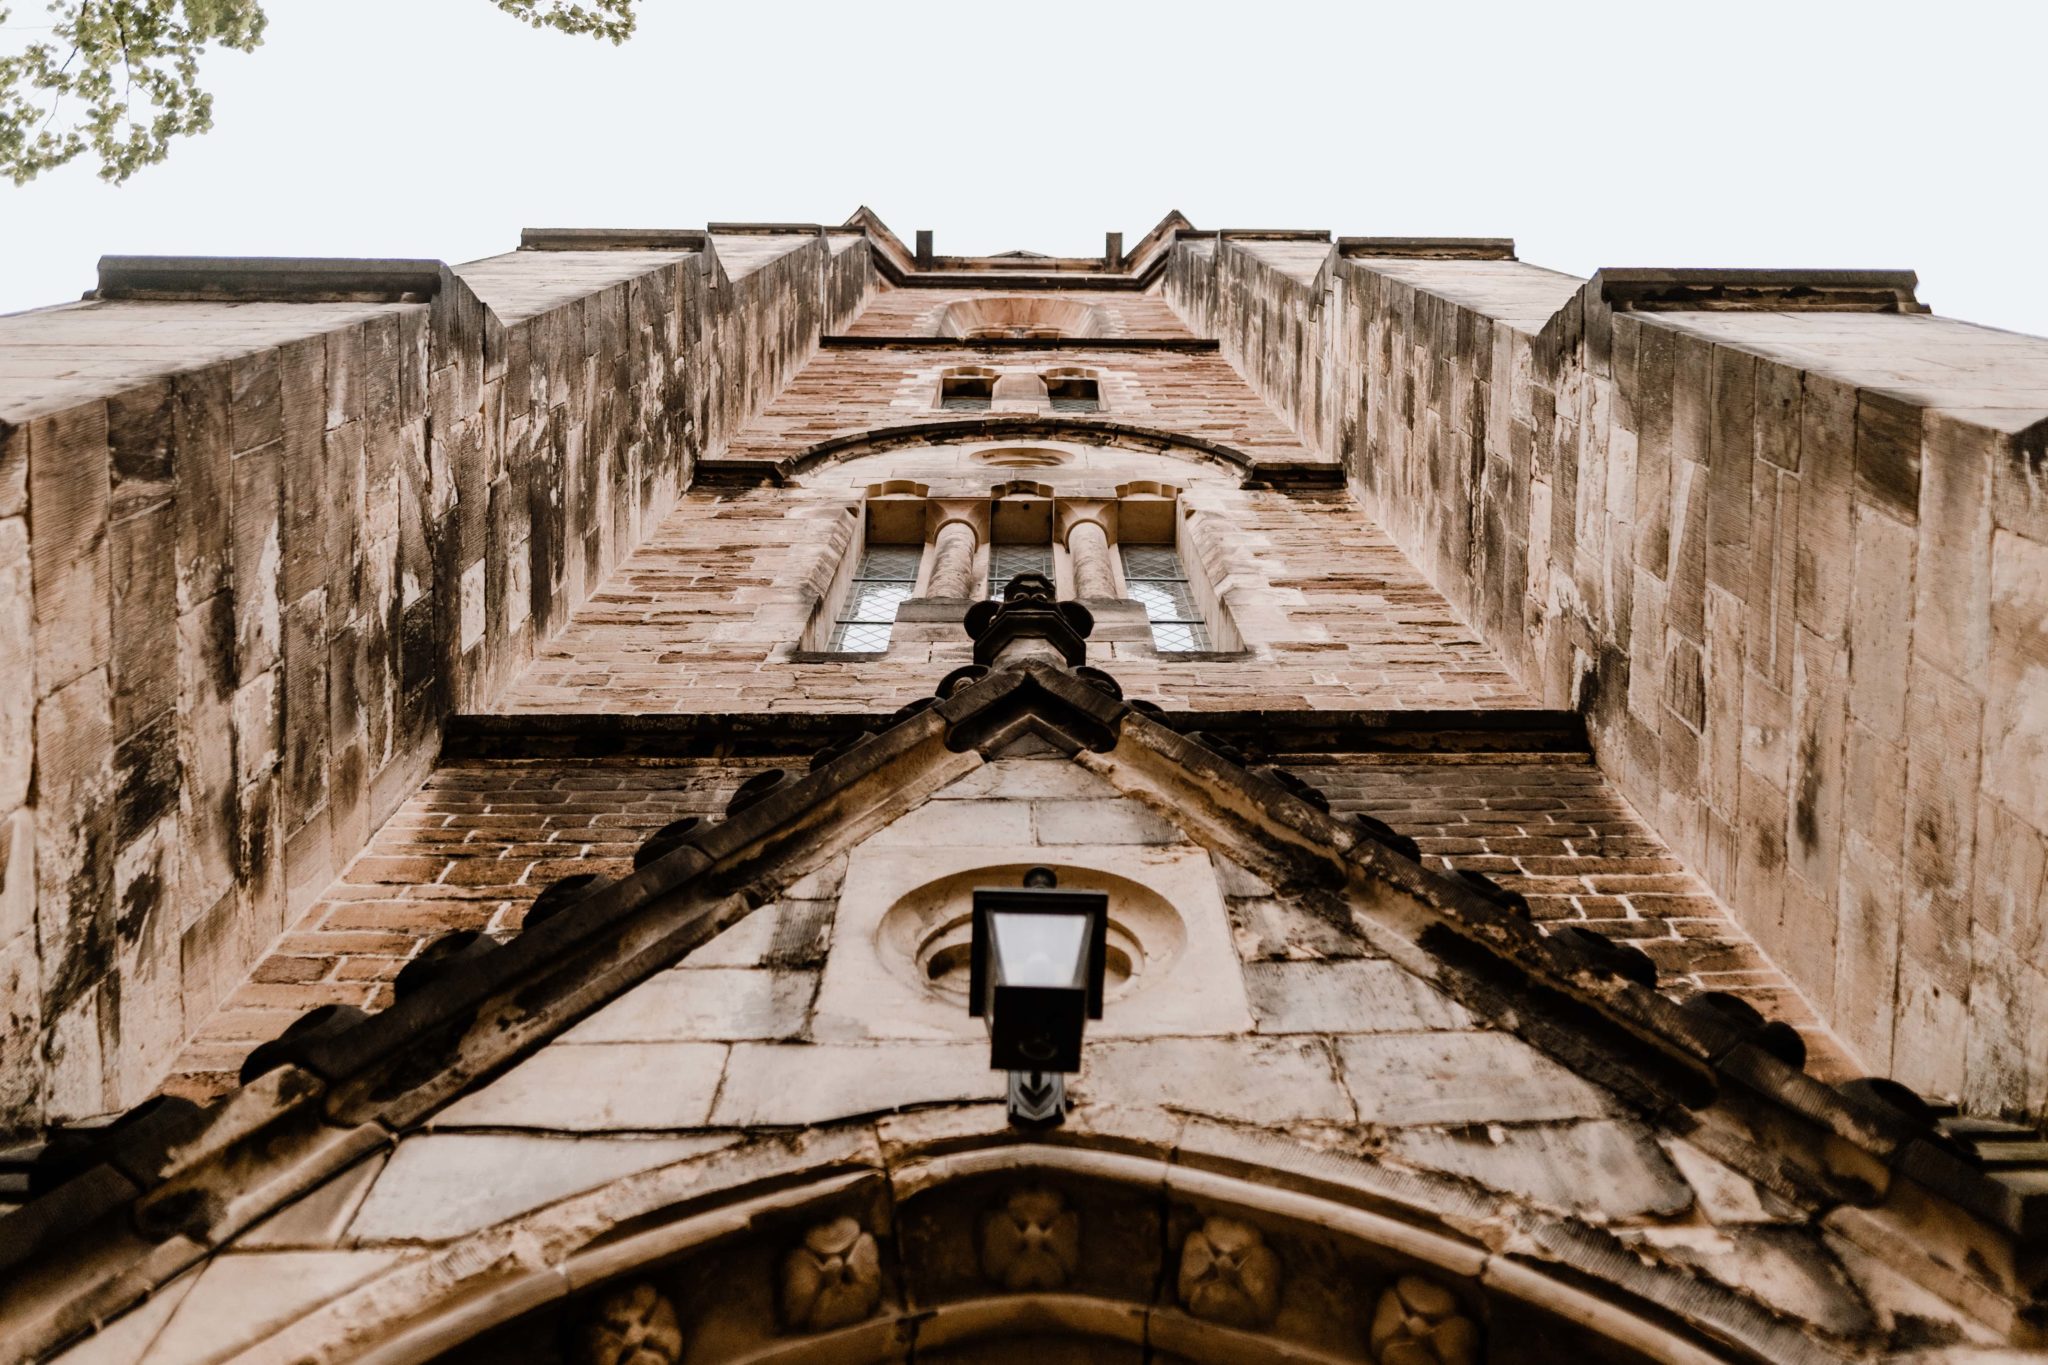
1041	1253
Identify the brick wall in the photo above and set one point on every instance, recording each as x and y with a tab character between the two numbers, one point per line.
708	614
918	311
1792	565
846	392
252	555
1555	829
469	850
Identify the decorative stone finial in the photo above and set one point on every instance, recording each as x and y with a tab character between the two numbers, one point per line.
1229	1275
1029	623
834	1279
1418	1322
633	1325
1033	1241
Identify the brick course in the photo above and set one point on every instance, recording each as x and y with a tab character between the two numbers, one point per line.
470	850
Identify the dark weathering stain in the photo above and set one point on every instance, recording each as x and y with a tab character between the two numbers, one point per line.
1806	802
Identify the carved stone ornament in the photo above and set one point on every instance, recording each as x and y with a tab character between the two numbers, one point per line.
833	1279
1031	1241
1418	1322
633	1325
1229	1275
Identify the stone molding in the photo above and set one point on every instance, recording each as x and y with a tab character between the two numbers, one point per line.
271	279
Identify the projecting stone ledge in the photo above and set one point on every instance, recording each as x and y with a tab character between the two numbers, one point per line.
1771	291
270	279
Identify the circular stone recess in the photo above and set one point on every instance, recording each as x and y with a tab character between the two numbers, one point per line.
924	936
1022	457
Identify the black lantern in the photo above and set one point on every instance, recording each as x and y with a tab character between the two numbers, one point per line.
1035	978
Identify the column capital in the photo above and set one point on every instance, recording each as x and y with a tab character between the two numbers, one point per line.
1067	513
972	513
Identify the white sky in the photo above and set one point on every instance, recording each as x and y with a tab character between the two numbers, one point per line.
1650	133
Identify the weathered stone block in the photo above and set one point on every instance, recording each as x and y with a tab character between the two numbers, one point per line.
1357	996
1867	953
1820	690
1888	453
206	749
147	777
2016	692
443	1185
1827	472
1778	400
17	877
205	484
258	557
2010	898
600	1086
304	721
74	837
1951	626
141	441
21	1033
69	486
2019	483
1612	1169
1731	452
17	665
1881	623
144	569
313	527
1941	828
13	468
712	1004
256	401
1428	1080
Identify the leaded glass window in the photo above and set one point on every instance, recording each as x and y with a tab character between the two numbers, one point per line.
885	578
1005	562
1155	576
966	392
1074	395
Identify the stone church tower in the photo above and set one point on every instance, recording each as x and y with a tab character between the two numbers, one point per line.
1484	816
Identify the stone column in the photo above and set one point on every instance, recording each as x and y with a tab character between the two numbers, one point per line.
952	561
1088	544
953	550
1084	528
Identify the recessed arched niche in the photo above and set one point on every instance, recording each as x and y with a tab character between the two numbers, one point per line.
1022	316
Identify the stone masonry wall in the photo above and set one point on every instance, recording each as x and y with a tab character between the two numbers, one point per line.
252	554
1793	566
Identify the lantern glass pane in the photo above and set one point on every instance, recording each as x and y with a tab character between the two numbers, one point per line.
1040	950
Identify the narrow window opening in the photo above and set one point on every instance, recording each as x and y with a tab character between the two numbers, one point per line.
1155	576
1074	395
966	392
1005	562
885	578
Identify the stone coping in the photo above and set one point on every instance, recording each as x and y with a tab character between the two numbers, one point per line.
285	279
1429	248
1775	291
613	239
